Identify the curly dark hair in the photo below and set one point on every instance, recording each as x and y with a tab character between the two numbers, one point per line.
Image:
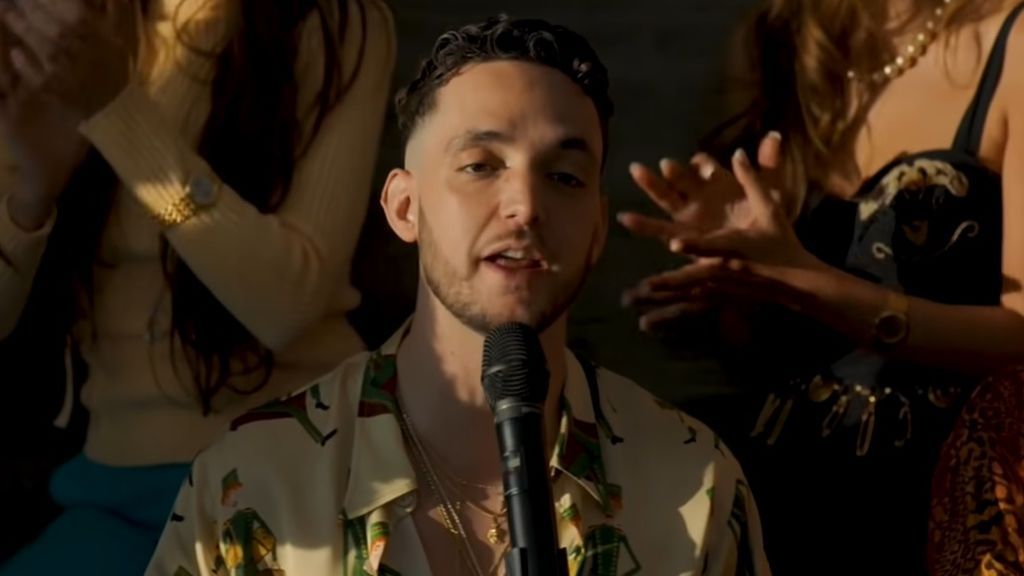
502	38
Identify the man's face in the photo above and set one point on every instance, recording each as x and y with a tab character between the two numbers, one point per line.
505	187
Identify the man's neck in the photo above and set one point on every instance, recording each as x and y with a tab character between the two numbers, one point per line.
439	368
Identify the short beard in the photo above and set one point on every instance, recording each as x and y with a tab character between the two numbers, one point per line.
441	279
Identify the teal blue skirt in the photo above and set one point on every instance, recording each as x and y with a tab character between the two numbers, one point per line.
110	524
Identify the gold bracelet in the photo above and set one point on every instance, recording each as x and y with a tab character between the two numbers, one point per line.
201	192
177	212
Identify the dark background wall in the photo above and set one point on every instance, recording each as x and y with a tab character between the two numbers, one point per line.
664	58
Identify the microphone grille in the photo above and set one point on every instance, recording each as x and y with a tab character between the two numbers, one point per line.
514	365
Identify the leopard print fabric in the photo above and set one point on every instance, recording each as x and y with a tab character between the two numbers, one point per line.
977	520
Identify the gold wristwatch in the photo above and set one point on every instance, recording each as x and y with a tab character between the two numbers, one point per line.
201	192
892	325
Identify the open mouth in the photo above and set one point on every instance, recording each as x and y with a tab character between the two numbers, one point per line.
513	259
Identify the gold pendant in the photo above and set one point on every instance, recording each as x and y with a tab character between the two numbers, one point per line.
495	535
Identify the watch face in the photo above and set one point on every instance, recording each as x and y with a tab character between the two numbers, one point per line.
891	327
202	191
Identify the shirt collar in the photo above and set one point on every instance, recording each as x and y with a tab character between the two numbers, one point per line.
381	471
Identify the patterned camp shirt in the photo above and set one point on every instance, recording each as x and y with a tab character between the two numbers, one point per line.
320	483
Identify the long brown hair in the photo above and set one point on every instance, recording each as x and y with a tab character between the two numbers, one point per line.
795	62
252	140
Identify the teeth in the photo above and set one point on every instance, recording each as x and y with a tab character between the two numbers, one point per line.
514	254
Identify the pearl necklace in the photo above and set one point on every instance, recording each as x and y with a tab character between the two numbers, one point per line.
908	57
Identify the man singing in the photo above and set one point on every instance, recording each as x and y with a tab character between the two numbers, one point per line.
390	464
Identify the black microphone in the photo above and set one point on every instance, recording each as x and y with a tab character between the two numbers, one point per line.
515	380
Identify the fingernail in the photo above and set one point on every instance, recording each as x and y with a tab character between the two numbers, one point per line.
645	324
621	217
740	156
675	245
635	166
626	300
775	135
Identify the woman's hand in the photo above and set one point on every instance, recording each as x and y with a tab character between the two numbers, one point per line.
77	51
698	198
764	234
64	60
716	283
755	258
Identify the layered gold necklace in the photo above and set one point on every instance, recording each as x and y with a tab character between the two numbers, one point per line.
449	509
496	534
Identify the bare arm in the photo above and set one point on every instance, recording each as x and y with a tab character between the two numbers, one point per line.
976	340
763	261
972	339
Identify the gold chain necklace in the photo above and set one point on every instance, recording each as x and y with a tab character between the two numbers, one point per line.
449	511
497	533
910	54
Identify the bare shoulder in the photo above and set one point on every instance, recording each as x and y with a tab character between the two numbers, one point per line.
1006	115
1010	93
1012	82
1014	66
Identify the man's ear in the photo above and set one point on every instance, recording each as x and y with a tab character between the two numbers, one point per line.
401	204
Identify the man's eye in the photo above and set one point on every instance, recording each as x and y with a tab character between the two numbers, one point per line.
477	168
566	179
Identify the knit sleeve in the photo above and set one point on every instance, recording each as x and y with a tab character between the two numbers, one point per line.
275	272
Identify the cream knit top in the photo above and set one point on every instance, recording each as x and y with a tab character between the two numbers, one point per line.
285	276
